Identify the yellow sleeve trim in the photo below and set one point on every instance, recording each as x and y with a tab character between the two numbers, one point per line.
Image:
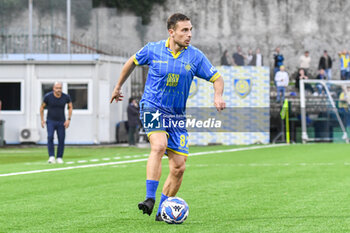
177	152
135	60
214	77
158	131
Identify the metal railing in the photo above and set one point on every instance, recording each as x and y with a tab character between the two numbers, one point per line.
53	44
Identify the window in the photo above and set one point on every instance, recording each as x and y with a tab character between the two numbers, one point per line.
45	88
10	96
79	95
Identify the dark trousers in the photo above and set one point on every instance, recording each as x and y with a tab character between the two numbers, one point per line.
344	75
132	130
57	126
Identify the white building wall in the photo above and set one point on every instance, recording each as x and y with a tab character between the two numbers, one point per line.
93	126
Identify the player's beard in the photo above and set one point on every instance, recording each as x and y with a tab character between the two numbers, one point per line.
182	44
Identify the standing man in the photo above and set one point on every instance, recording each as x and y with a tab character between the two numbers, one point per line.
257	59
133	120
278	60
282	81
172	65
238	57
325	64
56	120
304	62
344	64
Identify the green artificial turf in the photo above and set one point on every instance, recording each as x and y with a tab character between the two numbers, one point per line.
296	188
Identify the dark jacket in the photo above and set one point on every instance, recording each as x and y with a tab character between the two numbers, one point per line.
307	85
322	63
253	61
238	59
224	61
278	60
133	116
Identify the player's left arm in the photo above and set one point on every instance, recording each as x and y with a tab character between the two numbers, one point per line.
208	72
70	111
218	92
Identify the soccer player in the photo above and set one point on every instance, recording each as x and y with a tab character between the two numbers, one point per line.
56	119
172	65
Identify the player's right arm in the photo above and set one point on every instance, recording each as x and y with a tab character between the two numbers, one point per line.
142	57
42	114
126	71
218	92
208	72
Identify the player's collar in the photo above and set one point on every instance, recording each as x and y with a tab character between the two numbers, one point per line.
174	55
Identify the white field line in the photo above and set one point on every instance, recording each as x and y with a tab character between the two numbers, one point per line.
82	161
18	151
236	149
135	160
71	168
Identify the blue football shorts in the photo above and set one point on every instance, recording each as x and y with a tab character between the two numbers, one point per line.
156	120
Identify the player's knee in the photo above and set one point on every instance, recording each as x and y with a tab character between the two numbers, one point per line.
49	138
159	148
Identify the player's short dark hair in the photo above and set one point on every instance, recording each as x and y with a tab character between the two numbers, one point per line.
173	19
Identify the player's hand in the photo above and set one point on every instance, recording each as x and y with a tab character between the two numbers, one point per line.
117	95
66	124
43	124
219	103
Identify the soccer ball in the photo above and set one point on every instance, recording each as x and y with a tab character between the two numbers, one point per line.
174	210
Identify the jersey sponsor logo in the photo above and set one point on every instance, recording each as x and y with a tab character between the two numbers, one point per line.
172	80
242	86
158	61
188	67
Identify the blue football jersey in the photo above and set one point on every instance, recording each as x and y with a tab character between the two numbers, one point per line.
170	75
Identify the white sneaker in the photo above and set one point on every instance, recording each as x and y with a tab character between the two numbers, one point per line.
51	159
59	160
